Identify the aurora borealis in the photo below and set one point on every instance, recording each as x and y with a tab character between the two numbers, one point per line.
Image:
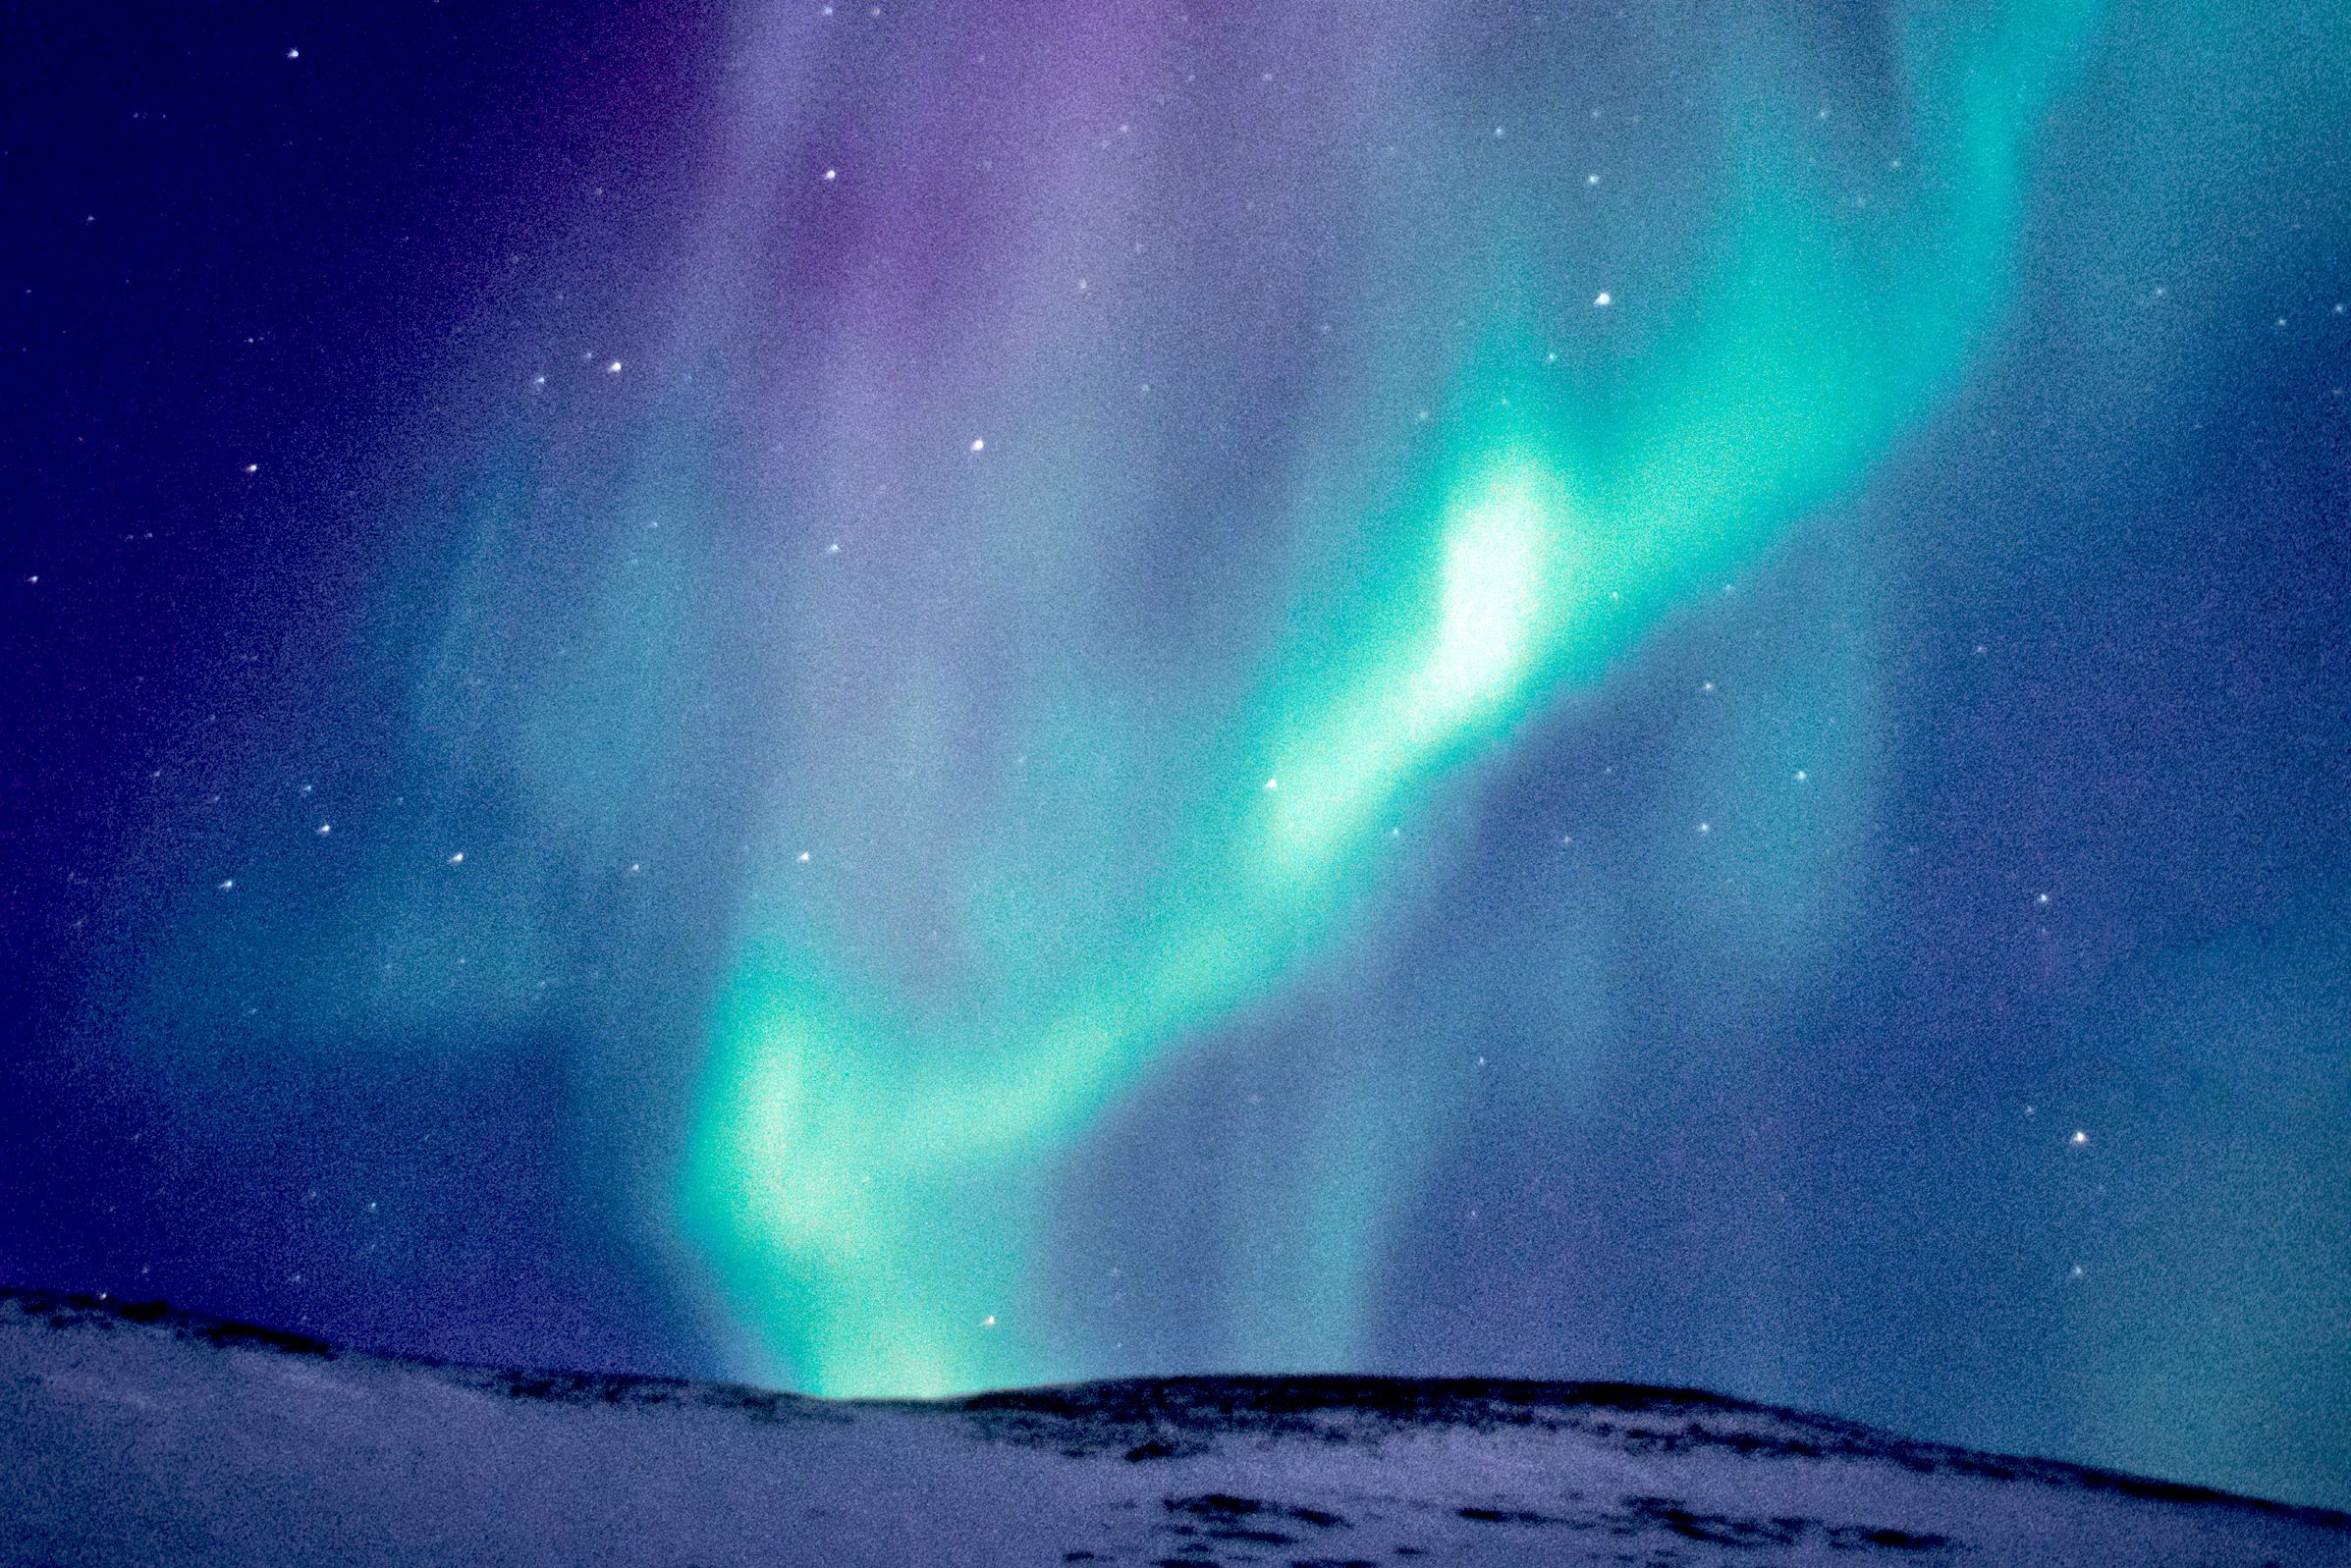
913	698
870	1138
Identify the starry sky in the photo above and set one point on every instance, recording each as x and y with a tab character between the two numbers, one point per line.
897	699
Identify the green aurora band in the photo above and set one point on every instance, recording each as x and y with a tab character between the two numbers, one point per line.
870	1174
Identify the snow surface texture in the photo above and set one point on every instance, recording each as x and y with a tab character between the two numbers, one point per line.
130	1435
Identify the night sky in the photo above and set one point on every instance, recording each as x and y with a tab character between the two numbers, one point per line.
896	699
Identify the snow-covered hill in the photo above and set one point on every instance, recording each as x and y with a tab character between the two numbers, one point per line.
129	1434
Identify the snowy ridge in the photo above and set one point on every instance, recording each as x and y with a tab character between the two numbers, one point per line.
131	1433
